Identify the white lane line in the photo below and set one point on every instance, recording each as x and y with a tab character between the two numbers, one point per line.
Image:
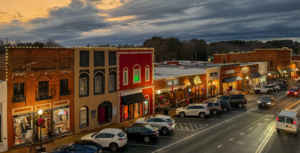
242	133
186	127
219	146
231	139
250	128
181	127
141	145
262	145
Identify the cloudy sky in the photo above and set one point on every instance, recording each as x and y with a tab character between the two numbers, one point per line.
79	22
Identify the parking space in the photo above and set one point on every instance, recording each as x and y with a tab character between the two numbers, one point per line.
189	126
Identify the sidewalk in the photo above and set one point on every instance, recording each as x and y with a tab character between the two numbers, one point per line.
74	137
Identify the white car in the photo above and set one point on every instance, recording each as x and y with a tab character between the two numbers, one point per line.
164	123
109	138
264	89
288	121
200	110
297	79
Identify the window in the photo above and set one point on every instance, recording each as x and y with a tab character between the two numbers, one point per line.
83	115
216	104
141	129
151	120
132	129
224	61
99	59
281	119
147	73
210	104
190	107
271	63
125	76
234	61
98	84
101	135
175	82
158	120
83	86
18	92
84	58
289	120
136	76
111	83
198	107
64	87
112	58
43	90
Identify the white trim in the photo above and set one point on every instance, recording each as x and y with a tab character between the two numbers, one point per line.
96	84
125	69
109	83
80	86
131	92
147	69
139	76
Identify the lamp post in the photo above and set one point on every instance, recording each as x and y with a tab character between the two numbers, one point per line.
40	112
284	74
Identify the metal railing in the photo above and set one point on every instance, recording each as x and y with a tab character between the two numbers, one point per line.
64	92
18	98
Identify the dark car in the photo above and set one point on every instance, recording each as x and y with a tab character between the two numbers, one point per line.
293	92
266	101
234	100
225	106
142	132
282	86
82	146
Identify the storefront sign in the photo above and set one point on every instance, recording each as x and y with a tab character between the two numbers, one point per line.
254	68
229	71
21	115
93	113
173	82
244	70
214	74
197	80
131	93
114	110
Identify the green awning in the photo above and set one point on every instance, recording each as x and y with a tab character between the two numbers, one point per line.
134	98
288	70
255	75
232	79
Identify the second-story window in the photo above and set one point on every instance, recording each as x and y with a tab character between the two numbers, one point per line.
234	61
18	92
84	58
147	73
136	76
98	84
43	90
99	59
224	61
125	76
64	89
271	63
112	58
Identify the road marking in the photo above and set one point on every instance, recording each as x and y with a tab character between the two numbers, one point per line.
181	127
262	145
292	105
272	115
265	119
250	128
141	145
219	146
186	127
167	137
206	129
242	133
231	139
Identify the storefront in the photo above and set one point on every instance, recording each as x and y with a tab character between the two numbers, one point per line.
212	82
286	72
56	121
230	77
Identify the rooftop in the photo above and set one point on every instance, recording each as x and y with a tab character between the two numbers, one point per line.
288	113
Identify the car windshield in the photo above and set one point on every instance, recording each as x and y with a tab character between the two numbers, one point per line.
293	89
169	120
149	127
265	98
121	134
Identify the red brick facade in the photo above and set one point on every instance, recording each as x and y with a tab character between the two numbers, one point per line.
31	66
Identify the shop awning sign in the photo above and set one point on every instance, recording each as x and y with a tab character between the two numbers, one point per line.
229	71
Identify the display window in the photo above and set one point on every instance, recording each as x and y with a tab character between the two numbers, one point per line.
23	128
146	107
61	120
126	112
136	110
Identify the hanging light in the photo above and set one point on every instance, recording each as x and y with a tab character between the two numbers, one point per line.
40	112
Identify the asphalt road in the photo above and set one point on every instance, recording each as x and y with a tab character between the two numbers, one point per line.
241	130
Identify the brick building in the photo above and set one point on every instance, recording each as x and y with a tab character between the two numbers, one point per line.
135	83
39	78
279	60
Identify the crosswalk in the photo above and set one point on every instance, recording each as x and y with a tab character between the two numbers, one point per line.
189	126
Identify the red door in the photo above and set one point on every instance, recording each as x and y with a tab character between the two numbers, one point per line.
101	114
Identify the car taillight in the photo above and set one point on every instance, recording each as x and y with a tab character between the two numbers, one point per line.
220	107
120	138
207	109
170	123
277	119
154	133
288	92
295	122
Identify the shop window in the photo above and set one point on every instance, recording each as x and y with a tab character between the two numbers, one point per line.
125	76
271	63
64	90
112	58
99	59
43	91
98	84
84	85
224	61
23	128
18	92
112	82
83	117
84	58
61	120
147	71
234	61
136	76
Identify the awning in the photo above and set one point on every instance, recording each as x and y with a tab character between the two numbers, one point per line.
255	75
134	98
232	79
288	70
273	72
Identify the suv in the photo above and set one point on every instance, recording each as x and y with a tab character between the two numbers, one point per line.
164	123
234	100
264	89
225	106
214	106
193	110
282	86
266	101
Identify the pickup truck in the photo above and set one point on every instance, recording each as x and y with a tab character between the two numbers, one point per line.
234	100
264	89
288	121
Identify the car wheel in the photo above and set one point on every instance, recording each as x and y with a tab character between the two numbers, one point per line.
182	114
225	109
240	105
257	92
278	130
146	139
113	147
270	92
201	115
214	112
277	90
164	130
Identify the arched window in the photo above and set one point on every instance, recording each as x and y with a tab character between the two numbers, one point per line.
136	73
84	117
125	76
271	63
99	84
147	73
83	85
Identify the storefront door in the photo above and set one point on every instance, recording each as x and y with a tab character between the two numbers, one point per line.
102	114
146	106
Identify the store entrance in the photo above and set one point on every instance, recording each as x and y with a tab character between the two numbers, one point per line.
102	114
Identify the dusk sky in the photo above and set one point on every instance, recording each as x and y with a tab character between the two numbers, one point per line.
79	22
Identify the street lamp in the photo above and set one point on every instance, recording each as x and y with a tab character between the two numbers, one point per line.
40	112
158	91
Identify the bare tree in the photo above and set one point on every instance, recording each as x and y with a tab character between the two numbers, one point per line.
52	43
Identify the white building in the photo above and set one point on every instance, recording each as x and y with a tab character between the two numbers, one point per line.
3	116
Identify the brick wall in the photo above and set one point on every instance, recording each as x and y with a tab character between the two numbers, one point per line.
297	58
2	67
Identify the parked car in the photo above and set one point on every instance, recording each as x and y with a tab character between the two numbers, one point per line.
142	132
109	138
297	79
275	87
234	99
293	92
264	89
282	86
225	106
214	106
288	121
193	110
164	123
266	101
82	146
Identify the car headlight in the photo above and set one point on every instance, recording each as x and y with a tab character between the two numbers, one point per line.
269	103
258	102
